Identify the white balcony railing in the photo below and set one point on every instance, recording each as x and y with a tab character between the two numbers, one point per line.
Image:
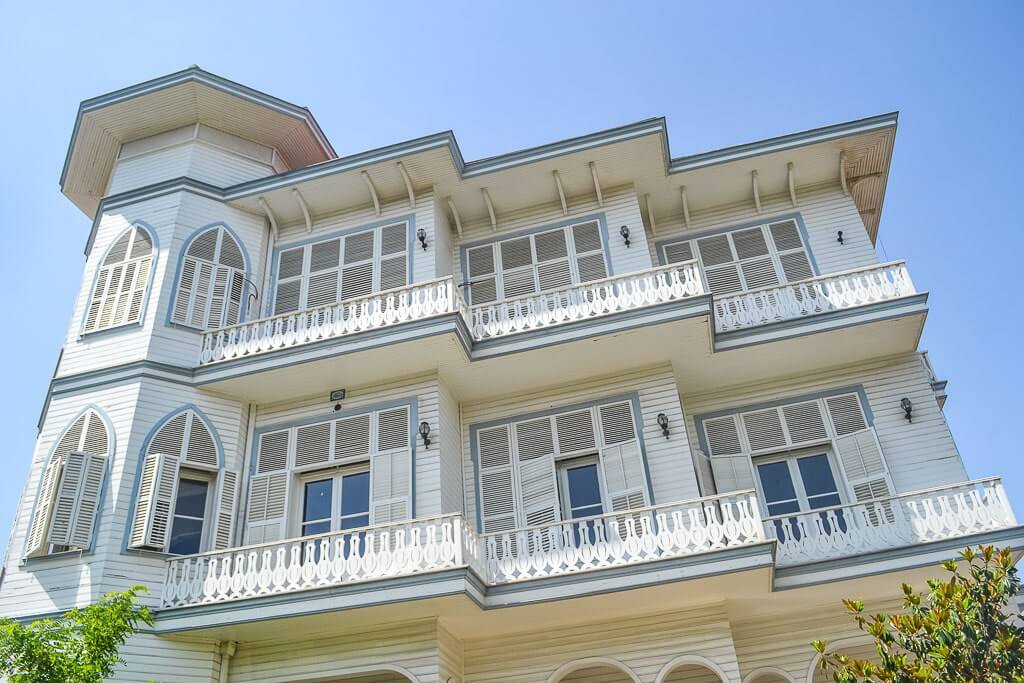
585	301
808	297
375	311
908	519
333	559
619	539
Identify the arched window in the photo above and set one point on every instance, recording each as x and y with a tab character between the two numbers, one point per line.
69	494
117	296
186	500
212	281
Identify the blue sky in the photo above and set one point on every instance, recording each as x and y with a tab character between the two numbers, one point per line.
511	75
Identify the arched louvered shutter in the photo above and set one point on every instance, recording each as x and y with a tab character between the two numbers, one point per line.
70	490
184	440
621	458
212	282
391	468
121	282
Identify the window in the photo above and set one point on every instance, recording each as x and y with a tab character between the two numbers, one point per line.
212	282
346	267
121	281
534	263
338	474
540	470
798	483
186	497
746	259
68	502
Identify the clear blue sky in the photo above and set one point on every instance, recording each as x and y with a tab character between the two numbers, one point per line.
518	74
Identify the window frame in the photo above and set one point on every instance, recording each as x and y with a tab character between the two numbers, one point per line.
305	272
790	457
335	474
244	272
572	257
211	478
91	296
562	467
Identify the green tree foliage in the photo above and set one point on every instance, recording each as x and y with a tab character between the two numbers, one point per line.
80	647
959	631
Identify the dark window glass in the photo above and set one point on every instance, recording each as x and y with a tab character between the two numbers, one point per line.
355	494
817	476
317	502
189	511
186	536
191	498
584	491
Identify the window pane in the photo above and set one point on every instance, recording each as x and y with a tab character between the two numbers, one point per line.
186	535
191	498
783	508
776	482
355	521
355	494
584	489
317	502
316	528
825	501
816	474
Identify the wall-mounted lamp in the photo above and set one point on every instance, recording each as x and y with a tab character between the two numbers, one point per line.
624	231
663	423
908	408
425	433
840	238
421	235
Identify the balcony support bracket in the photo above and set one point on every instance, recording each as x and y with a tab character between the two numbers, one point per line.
305	209
490	209
686	206
561	192
408	184
756	190
650	215
455	215
597	184
373	191
791	179
842	173
270	216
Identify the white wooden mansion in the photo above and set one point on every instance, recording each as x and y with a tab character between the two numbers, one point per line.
581	412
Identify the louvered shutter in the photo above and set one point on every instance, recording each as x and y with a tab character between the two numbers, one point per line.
324	274
621	459
678	252
77	502
538	490
720	268
553	268
265	515
483	286
589	250
846	413
756	263
863	464
313	445
518	275
394	250
121	282
391	468
730	465
764	429
357	270
36	543
288	290
212	282
352	437
225	512
201	448
791	252
158	487
497	492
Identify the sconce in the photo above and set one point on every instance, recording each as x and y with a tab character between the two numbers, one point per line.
421	235
908	408
624	231
840	238
663	423
425	433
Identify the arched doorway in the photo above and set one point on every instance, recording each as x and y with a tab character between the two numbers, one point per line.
768	674
692	669
593	670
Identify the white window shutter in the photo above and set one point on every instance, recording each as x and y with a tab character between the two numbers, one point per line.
864	465
313	445
265	516
391	468
497	491
394	250
483	286
589	250
678	252
75	507
212	282
225	516
36	543
621	458
538	490
730	464
121	282
84	521
151	527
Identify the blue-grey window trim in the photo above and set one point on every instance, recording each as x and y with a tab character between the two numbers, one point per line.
134	500
602	222
659	246
858	389
181	265
411	401
409	219
633	397
82	334
111	449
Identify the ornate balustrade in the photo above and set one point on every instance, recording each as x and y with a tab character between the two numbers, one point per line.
920	517
817	295
375	311
585	301
619	539
332	559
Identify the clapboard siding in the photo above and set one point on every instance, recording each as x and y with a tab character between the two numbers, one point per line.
322	656
152	658
425	390
450	450
644	644
668	460
194	159
620	208
825	210
920	454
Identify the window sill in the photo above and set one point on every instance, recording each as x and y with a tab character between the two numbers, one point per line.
53	557
123	327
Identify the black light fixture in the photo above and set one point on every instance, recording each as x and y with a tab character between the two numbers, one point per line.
908	408
425	433
840	238
624	231
663	423
421	235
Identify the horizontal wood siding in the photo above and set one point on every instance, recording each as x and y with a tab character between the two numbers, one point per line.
152	658
825	210
644	644
668	460
195	159
920	454
450	449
